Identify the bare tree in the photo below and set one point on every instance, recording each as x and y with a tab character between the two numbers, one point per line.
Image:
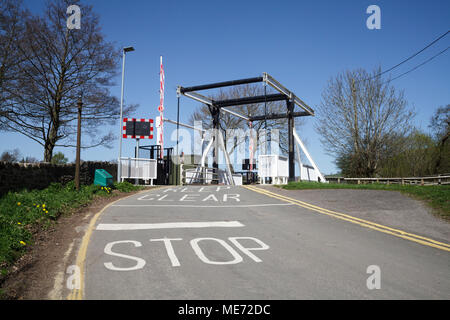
360	119
10	156
29	159
12	28
60	65
440	125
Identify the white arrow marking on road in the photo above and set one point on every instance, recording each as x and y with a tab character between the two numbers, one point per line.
167	225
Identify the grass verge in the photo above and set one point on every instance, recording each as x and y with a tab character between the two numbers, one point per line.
21	213
437	196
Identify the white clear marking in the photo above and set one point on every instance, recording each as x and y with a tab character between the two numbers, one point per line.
189	195
194	206
211	197
167	225
145	197
231	196
163	197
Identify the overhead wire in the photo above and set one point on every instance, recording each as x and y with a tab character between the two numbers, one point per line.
410	57
419	65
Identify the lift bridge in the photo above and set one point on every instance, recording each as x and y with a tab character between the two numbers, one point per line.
271	168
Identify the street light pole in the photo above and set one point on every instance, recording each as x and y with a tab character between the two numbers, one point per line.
119	169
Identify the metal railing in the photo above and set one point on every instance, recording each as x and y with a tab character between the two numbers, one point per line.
138	168
192	174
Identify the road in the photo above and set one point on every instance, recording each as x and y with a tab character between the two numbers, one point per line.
219	242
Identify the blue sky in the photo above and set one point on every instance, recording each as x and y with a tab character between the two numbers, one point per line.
300	43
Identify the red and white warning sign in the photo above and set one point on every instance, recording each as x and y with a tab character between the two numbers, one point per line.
137	128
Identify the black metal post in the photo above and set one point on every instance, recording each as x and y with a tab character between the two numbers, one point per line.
290	107
265	117
216	118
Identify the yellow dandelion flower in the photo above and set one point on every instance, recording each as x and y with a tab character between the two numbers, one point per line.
37	206
18	223
23	243
43	206
18	203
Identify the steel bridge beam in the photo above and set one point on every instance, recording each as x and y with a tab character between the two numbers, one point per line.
249	100
220	84
267	78
235	114
273	116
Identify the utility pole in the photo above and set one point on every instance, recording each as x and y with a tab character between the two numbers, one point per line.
77	160
119	167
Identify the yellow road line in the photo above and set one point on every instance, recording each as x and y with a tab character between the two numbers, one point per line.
310	206
77	294
368	224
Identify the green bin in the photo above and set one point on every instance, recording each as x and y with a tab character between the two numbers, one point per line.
103	178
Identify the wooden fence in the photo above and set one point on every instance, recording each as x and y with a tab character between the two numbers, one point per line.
432	180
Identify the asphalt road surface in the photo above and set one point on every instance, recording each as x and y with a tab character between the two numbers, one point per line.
220	242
